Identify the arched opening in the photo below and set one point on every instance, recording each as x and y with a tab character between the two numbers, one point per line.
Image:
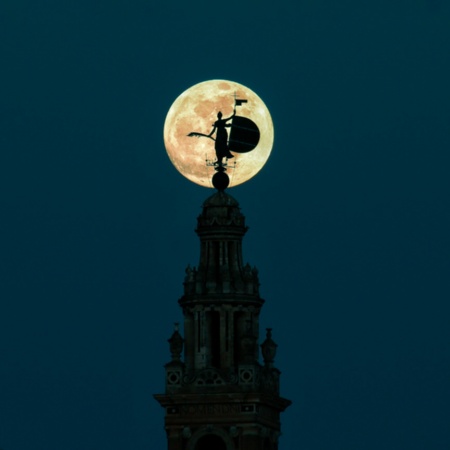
211	442
268	444
239	329
215	338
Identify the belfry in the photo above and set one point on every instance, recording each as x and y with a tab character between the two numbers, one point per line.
219	395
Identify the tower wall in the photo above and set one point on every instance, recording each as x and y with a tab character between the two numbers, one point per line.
220	394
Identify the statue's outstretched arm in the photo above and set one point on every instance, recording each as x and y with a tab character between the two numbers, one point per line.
212	131
234	113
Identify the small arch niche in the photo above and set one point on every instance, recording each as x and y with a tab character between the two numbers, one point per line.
211	442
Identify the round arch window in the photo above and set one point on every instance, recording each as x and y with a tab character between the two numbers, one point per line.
211	442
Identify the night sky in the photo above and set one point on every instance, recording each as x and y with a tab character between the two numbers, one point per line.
349	219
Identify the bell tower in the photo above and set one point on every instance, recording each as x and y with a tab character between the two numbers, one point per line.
219	394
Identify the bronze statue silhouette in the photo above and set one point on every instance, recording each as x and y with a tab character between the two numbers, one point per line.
221	141
244	134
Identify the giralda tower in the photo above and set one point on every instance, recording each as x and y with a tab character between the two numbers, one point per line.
219	394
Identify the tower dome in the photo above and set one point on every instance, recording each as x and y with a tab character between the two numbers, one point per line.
221	227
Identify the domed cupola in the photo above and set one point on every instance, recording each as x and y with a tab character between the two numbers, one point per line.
221	227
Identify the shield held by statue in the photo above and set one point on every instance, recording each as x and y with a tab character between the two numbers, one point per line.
244	135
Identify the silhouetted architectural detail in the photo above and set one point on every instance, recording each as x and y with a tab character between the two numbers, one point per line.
244	134
220	397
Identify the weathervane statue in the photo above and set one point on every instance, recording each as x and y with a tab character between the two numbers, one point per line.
244	136
205	105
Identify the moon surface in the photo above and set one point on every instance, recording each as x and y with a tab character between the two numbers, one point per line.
195	110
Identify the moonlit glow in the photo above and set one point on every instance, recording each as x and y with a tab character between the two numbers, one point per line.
196	110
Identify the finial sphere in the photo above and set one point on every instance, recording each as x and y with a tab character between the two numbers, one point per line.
218	123
220	181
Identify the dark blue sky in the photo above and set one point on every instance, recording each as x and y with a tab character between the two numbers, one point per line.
349	220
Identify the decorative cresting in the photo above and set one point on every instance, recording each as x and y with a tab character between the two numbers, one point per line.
220	395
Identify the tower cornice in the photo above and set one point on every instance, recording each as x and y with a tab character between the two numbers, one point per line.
233	300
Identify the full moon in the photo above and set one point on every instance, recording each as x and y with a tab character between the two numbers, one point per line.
196	111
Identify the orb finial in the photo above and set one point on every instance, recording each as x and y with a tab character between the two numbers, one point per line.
220	180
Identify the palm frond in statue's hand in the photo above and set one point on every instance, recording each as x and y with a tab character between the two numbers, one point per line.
195	134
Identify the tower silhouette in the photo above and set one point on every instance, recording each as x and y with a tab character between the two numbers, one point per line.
219	396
